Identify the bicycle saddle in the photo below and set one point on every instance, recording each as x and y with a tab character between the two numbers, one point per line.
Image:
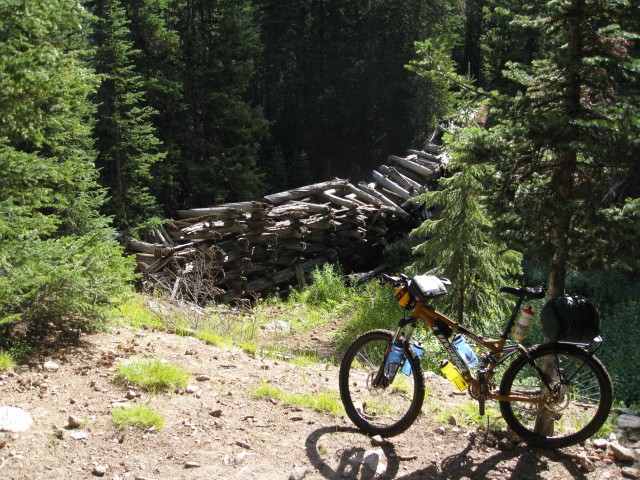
525	293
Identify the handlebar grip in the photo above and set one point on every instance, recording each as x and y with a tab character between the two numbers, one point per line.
395	281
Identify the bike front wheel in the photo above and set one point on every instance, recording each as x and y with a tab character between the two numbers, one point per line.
376	405
575	406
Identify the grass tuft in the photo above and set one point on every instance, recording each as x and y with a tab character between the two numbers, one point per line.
138	416
7	363
326	402
152	374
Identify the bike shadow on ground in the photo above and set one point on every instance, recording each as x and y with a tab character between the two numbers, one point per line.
361	462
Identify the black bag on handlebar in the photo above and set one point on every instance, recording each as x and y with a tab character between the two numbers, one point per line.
570	319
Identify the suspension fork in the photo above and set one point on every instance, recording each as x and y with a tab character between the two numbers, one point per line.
399	335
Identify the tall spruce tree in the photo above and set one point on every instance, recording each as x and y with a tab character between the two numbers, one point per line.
58	262
572	130
462	244
126	139
220	129
154	34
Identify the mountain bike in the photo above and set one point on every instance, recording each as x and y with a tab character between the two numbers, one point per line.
551	395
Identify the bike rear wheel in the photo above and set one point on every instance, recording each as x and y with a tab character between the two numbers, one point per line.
388	408
579	401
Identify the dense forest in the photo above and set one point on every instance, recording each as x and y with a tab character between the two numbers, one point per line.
116	113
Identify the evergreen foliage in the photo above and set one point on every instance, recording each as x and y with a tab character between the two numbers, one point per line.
220	130
58	262
571	128
126	140
462	244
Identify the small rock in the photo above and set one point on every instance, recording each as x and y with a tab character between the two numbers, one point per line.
621	453
298	472
239	458
505	445
440	430
377	441
74	422
630	472
14	419
203	378
192	389
216	413
629	421
374	461
600	443
191	464
587	465
79	435
50	366
131	395
277	325
99	470
452	421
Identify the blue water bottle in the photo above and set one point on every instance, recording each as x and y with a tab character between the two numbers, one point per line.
393	360
406	368
465	352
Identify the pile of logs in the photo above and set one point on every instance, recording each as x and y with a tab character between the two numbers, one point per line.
254	249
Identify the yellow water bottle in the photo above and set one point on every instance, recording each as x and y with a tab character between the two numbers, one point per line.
453	375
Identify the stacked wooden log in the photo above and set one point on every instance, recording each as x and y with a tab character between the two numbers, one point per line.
250	249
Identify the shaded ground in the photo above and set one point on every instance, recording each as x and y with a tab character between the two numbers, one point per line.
220	430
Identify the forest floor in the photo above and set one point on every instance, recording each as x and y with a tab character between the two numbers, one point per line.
218	429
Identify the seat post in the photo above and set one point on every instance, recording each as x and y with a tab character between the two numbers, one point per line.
512	319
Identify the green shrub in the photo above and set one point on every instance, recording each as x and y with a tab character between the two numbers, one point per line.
69	280
327	288
370	308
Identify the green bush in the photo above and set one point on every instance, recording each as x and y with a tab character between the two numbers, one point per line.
68	280
327	289
370	307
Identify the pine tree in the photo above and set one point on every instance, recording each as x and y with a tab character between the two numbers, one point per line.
220	129
127	142
572	130
462	243
58	261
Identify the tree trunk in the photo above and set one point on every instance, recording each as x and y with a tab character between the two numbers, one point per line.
562	184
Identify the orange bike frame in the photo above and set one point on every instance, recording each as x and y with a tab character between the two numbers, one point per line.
430	317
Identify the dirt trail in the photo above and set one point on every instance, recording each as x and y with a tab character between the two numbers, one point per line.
218	429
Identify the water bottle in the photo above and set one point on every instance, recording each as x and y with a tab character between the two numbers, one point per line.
393	360
522	324
465	351
406	368
453	375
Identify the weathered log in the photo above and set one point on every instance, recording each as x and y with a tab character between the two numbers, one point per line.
426	172
391	185
290	210
364	196
228	210
404	181
331	196
302	192
384	199
426	155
